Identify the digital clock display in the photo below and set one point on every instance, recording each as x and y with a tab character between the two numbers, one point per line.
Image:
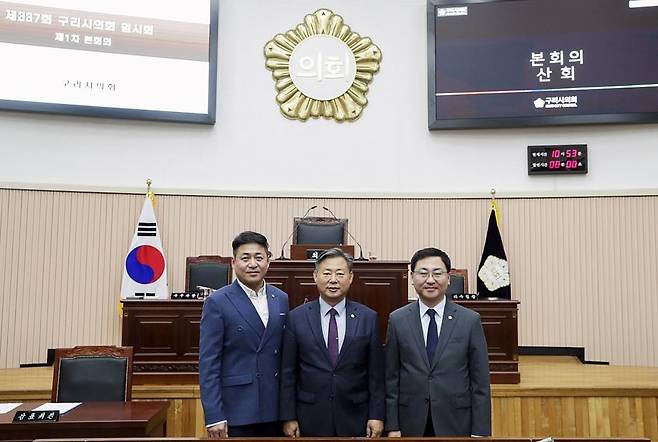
564	159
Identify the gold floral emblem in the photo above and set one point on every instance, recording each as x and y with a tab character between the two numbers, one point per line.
333	84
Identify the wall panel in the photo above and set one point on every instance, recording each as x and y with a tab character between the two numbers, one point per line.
583	268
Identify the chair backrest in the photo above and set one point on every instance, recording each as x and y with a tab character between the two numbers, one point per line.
319	230
207	271
458	282
95	373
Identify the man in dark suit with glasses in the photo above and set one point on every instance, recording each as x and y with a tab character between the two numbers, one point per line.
437	365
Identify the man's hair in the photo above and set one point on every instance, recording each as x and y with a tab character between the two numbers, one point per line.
250	237
426	253
333	253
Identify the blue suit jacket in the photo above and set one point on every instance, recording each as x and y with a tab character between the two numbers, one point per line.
327	400
239	359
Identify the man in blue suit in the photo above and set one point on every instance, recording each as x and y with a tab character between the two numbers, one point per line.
240	346
332	368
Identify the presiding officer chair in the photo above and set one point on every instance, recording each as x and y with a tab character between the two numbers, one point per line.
209	271
458	282
319	230
94	373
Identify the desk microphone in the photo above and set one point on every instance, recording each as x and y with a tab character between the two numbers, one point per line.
360	258
293	232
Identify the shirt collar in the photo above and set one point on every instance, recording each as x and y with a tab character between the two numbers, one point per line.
251	293
324	307
439	308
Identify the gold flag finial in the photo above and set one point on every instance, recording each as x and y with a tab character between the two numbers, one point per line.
149	193
494	205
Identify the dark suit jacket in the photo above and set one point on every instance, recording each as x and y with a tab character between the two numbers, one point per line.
455	383
328	401
239	359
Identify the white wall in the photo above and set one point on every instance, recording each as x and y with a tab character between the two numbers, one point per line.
254	149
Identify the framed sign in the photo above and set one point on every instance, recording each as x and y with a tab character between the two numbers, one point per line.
145	59
513	63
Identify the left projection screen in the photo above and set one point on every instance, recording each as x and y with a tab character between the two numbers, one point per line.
140	59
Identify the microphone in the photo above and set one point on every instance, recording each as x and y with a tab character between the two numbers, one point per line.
360	258
293	232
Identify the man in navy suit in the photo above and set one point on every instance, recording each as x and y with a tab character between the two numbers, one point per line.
240	345
332	368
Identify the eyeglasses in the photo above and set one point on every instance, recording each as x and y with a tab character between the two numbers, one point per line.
436	274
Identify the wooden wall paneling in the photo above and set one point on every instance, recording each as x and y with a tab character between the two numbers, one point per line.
583	268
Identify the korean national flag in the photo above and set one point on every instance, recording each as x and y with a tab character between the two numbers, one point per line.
145	269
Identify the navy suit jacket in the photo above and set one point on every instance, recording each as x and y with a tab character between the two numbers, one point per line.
328	400
239	359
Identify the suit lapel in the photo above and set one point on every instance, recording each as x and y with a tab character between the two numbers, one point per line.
413	320
447	326
274	310
351	322
245	308
315	324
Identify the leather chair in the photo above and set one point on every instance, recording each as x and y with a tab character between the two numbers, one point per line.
98	373
319	230
208	271
458	282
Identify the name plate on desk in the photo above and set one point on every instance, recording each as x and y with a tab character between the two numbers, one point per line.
28	417
314	254
185	295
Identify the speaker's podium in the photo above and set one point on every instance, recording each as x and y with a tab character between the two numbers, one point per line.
313	251
381	285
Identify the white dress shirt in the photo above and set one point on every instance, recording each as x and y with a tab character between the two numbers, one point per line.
425	319
259	300
325	316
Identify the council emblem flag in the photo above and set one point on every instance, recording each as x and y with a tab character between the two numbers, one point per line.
145	269
493	272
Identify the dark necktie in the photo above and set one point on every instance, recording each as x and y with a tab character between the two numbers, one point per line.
432	336
332	339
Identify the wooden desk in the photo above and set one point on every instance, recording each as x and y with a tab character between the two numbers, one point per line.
165	340
500	322
165	334
92	419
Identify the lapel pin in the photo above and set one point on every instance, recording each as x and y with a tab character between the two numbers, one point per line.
272	296
352	315
449	316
